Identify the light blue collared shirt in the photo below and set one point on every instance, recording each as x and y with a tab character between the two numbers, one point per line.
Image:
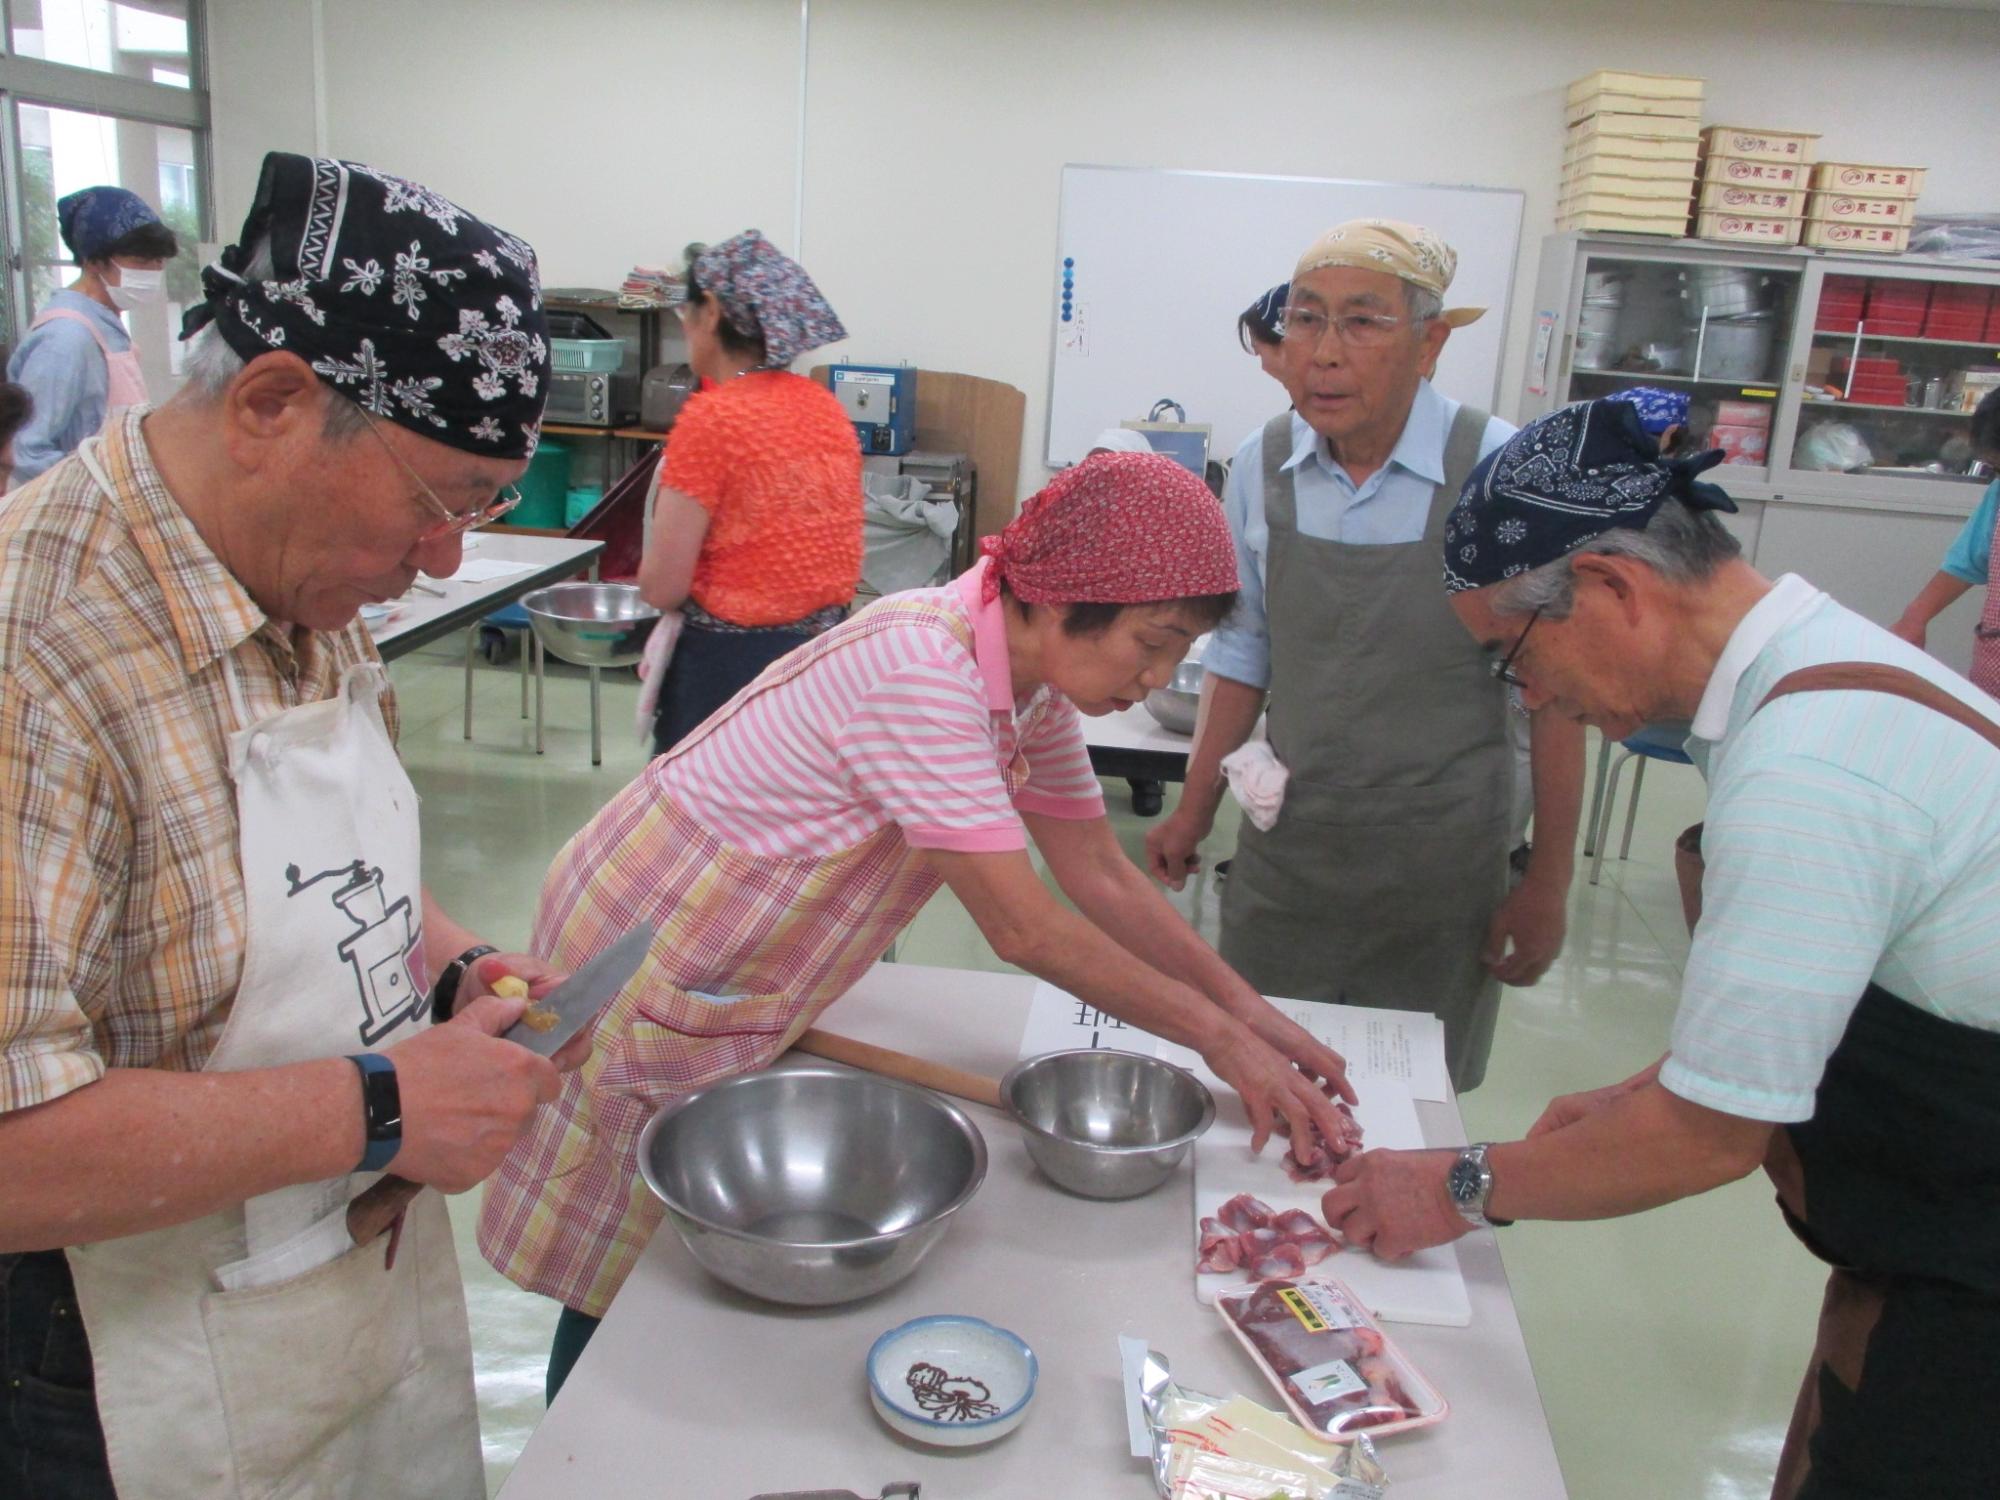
1973	548
64	371
1851	837
1389	507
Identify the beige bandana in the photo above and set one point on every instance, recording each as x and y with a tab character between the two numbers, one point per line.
1407	251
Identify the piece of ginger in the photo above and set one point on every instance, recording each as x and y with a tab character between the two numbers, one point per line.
511	987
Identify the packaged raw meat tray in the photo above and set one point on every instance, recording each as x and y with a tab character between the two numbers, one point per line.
1329	1359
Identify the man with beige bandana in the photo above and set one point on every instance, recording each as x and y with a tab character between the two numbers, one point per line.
1384	879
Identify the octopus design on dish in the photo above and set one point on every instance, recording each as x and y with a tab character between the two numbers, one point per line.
948	1397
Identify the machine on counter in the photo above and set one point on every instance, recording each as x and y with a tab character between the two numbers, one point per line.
881	401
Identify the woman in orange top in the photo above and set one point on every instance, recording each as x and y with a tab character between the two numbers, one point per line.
757	529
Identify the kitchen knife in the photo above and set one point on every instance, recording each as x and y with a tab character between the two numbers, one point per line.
576	1002
578	999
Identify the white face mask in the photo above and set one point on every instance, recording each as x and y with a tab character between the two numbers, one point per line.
137	288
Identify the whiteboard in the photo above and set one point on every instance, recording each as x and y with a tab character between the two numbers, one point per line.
1158	265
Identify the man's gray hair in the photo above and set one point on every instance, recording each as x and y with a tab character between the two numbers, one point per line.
1421	304
1683	546
210	364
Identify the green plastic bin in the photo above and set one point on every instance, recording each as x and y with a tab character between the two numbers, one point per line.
545	487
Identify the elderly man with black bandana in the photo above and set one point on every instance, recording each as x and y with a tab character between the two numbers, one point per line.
216	986
1839	1019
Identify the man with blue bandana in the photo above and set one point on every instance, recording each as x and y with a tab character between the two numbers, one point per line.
1839	1021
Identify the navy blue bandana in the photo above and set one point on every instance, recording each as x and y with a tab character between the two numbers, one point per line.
1658	409
1561	480
93	219
398	298
1270	307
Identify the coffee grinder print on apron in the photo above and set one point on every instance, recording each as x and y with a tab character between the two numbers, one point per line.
384	952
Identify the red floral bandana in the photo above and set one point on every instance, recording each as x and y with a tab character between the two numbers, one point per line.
1118	528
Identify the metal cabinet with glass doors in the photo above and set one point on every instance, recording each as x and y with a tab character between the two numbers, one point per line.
1839	387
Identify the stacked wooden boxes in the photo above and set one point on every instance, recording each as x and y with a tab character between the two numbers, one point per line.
1858	206
1754	184
1629	153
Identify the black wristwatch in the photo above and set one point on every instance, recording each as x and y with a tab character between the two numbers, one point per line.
1470	1183
381	1108
444	994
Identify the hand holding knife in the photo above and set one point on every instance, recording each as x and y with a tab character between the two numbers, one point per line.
574	1004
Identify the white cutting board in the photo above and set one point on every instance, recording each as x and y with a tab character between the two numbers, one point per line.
1428	1287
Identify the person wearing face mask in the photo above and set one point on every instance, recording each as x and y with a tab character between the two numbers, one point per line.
77	360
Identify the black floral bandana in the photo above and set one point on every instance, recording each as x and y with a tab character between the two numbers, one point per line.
1566	477
398	298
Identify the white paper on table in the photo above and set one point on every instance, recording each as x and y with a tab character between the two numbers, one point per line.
486	569
1401	1045
1058	1022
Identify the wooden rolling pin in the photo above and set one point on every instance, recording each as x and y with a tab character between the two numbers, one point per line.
932	1075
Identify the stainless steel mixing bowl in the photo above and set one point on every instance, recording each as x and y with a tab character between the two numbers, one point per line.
811	1185
592	624
1173	707
1106	1124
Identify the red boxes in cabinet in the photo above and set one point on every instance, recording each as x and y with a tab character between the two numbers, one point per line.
1897	308
1840	304
1958	312
1740	445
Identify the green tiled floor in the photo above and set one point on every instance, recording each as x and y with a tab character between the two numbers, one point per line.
1667	1347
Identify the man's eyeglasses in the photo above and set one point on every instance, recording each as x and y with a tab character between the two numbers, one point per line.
1504	668
450	522
1308	325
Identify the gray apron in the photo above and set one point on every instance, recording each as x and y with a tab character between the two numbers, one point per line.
1390	856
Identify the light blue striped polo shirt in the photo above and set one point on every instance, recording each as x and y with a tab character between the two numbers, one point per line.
1850	836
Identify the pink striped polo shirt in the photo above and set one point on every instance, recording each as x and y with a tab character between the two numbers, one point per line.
900	726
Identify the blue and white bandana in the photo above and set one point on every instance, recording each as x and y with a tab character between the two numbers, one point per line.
395	296
1268	309
93	219
1658	409
1564	478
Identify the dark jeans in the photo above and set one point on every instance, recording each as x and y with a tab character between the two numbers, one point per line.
51	1445
710	667
573	1331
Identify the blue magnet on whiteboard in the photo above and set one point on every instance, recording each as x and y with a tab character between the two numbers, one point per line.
1065	315
1068	261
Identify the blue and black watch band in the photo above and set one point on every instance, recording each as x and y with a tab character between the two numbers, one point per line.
382	1110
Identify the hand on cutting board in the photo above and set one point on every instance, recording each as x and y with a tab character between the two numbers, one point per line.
541	977
1276	1095
467	1095
1394	1203
1308	1053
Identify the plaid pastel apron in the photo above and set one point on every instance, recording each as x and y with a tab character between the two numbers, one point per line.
567	1214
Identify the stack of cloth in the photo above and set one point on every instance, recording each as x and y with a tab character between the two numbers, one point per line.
651	286
1629	153
1753	184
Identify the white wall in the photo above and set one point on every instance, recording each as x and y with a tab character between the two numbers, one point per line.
613	131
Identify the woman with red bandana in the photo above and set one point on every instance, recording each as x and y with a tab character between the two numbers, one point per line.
783	845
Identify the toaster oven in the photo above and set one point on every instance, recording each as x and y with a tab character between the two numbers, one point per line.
592	400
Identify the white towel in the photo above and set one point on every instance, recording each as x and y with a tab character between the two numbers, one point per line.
1257	780
653	671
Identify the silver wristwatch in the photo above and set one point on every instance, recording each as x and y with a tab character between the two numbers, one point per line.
1470	1183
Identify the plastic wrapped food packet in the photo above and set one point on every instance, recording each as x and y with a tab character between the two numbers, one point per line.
1185	1422
1329	1360
1215	1476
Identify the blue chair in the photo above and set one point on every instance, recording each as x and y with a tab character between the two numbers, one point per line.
1650	743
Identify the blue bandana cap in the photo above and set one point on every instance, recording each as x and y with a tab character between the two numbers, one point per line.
1560	481
1658	410
1270	307
93	219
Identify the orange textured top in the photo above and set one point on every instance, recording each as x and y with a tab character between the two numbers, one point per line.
773	459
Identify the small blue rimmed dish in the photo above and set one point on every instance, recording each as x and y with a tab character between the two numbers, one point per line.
951	1382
